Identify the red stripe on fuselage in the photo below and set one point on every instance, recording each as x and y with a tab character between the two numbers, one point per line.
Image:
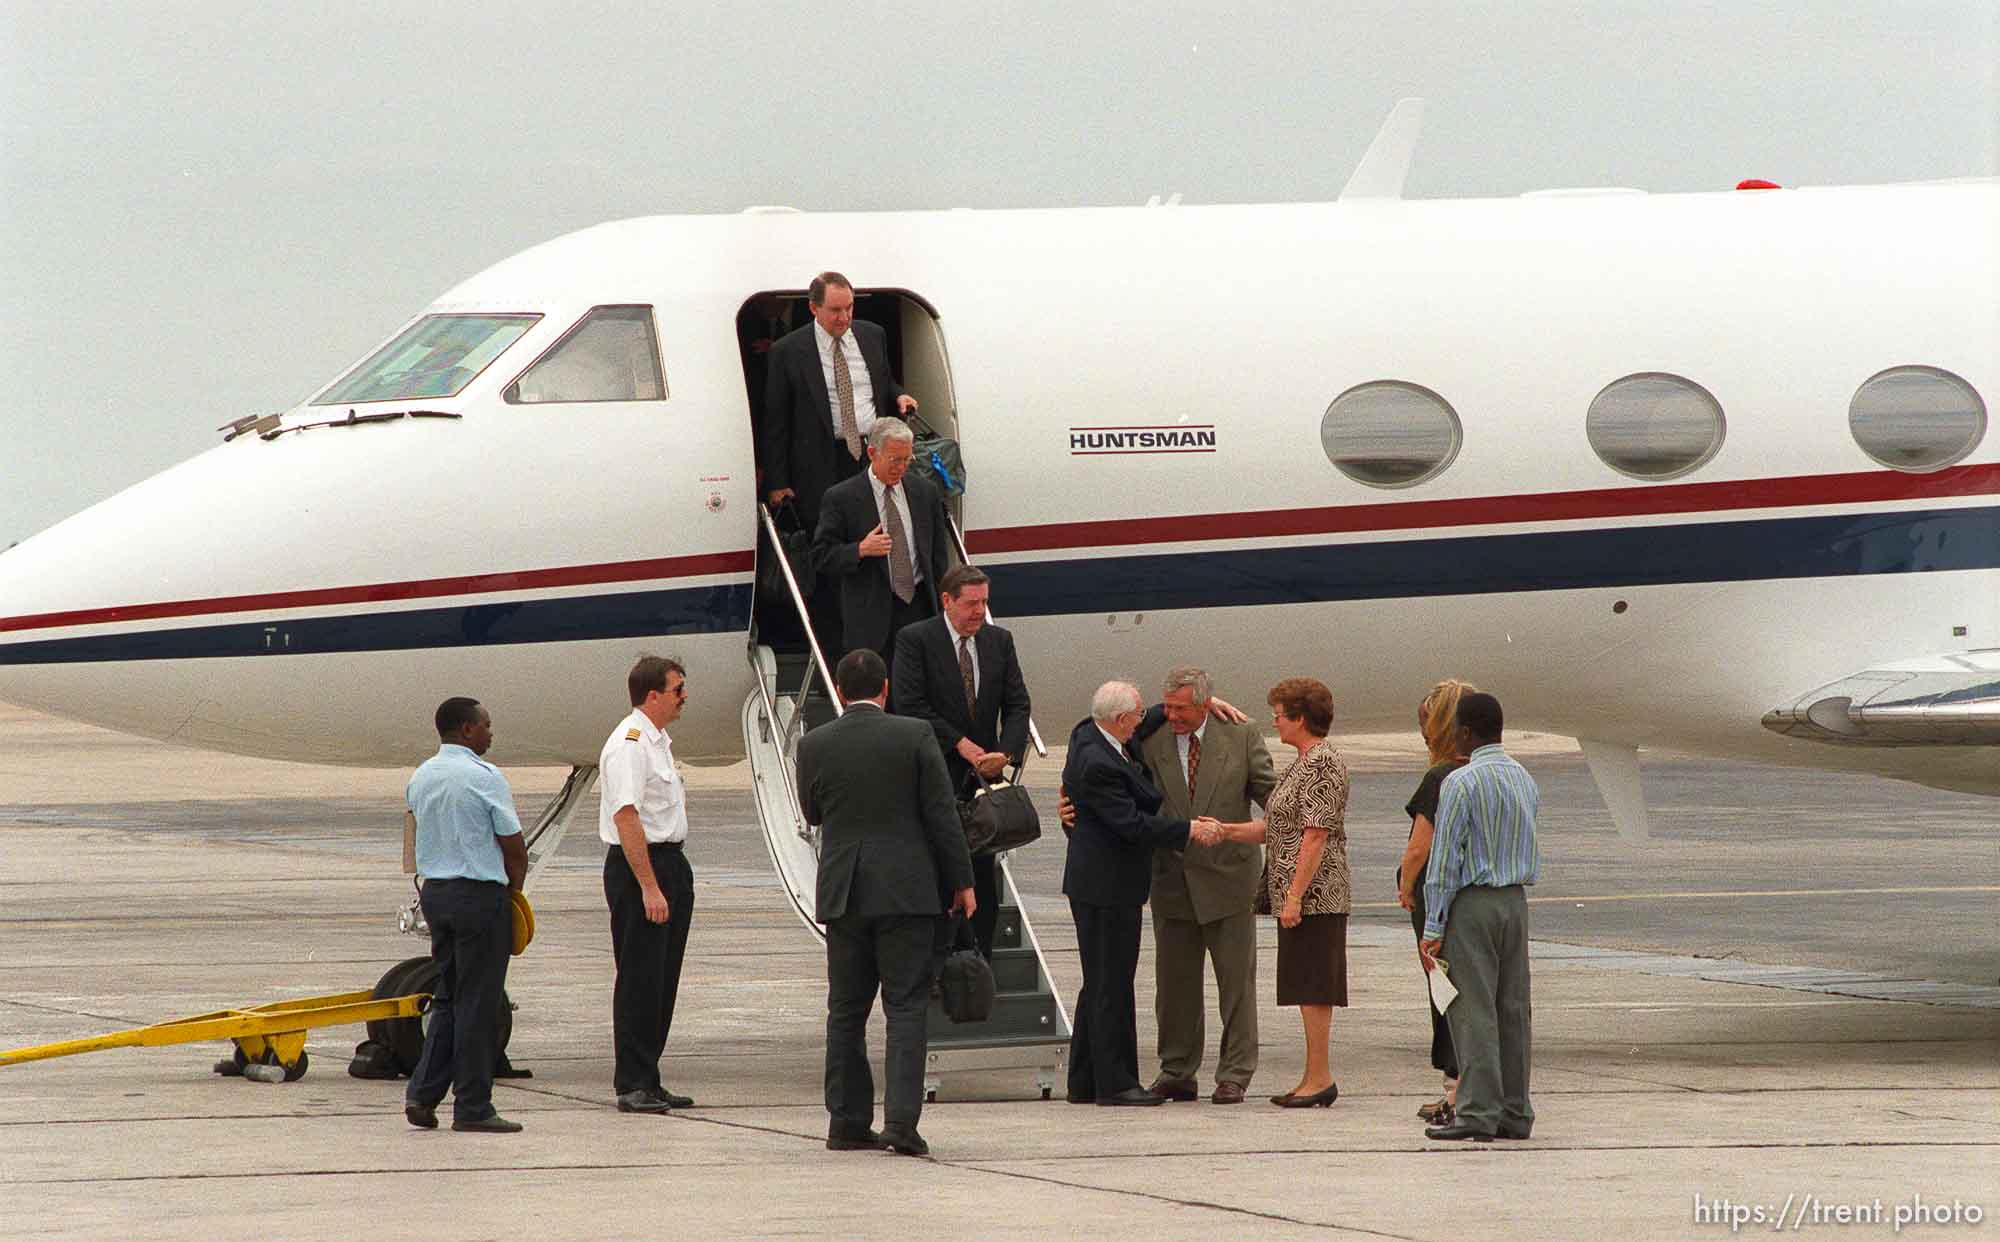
1682	498
391	592
1610	502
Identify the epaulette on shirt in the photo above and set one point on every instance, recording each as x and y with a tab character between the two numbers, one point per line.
632	734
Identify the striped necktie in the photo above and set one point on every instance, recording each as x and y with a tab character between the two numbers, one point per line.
1194	763
965	673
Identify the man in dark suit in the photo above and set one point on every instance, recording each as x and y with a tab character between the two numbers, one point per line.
1205	764
890	843
825	385
961	676
1106	876
881	536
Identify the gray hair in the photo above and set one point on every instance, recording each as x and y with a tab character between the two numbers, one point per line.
887	429
1188	677
1112	700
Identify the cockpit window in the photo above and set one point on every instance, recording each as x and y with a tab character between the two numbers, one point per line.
434	357
611	355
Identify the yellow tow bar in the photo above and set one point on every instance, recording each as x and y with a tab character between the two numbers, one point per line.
265	1035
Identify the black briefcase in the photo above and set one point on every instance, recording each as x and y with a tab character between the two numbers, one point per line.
965	984
795	545
999	816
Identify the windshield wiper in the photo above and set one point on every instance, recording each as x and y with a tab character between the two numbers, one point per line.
354	420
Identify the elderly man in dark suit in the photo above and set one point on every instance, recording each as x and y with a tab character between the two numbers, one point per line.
1106	877
825	385
881	536
960	674
1206	763
890	843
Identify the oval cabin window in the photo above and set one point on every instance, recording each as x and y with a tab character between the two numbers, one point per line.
1654	426
1390	434
1916	418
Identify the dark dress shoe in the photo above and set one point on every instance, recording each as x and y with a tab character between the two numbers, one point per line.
853	1140
491	1124
1132	1097
1457	1131
1318	1099
422	1116
642	1101
1078	1098
905	1141
1175	1088
1514	1135
675	1101
1227	1093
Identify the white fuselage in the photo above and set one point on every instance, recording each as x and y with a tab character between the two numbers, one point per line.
314	596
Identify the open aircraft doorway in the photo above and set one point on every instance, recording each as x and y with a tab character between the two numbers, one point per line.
918	360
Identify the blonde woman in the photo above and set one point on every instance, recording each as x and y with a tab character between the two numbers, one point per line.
1437	718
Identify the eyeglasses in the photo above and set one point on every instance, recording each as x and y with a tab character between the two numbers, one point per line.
679	692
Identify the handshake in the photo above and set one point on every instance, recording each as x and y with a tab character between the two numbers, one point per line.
1207	830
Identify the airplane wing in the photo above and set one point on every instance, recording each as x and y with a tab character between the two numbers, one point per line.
1946	700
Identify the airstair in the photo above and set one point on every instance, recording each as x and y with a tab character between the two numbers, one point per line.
1029	1028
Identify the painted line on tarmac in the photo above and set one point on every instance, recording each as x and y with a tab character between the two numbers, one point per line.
1598	898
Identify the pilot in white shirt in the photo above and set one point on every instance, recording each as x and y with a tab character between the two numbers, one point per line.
642	819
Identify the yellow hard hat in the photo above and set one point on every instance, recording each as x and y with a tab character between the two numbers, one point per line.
524	920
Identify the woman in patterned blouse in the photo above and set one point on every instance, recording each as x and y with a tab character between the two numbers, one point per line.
1305	877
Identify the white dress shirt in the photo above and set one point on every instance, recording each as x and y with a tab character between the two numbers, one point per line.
857	372
957	640
636	769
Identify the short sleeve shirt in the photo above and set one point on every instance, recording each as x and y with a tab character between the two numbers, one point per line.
636	769
1424	802
462	807
1311	794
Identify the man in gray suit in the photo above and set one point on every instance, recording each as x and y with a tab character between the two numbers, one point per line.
890	845
1203	897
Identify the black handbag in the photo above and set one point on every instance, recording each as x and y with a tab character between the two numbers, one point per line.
965	984
936	456
999	816
795	545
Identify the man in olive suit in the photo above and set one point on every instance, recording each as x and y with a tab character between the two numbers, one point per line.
1203	896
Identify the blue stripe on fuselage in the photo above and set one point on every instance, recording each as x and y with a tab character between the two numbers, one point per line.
1843	545
634	614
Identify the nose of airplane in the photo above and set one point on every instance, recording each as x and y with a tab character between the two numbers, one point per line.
78	600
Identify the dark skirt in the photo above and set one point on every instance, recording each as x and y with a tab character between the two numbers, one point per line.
1443	1057
1312	961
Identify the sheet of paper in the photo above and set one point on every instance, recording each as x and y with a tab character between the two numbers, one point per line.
1442	992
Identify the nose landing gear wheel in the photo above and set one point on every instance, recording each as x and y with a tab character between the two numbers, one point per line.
404	1037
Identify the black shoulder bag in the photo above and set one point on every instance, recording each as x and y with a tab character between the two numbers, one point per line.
999	816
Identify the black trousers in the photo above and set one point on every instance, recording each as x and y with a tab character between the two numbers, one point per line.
892	953
986	892
472	933
1104	1040
921	606
1442	1056
649	959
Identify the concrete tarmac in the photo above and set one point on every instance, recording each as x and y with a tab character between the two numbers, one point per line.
1712	1038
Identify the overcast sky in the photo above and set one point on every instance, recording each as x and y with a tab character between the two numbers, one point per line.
211	208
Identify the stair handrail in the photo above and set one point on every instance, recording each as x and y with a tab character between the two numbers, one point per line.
805	620
958	538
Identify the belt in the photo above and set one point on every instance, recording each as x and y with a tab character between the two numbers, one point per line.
650	845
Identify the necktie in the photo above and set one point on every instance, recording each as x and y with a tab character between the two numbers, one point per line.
1194	763
902	576
965	673
843	387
